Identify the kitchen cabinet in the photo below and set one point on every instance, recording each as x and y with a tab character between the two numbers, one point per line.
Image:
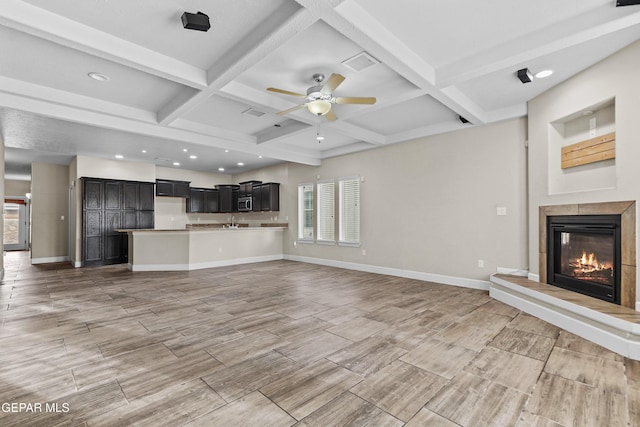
246	187
195	204
228	194
170	188
211	200
203	200
266	197
108	205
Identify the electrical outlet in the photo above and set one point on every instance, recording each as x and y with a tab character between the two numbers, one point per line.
501	211
364	252
480	263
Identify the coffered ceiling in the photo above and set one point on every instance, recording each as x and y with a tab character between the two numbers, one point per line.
172	89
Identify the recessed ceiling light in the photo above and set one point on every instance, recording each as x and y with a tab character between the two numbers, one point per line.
587	112
226	151
220	169
176	163
119	156
193	156
144	151
99	77
259	157
240	164
544	73
185	150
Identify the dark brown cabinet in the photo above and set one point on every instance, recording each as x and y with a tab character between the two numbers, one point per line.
266	197
108	205
170	188
211	200
228	194
203	200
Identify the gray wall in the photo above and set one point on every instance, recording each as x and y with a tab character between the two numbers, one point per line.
49	212
428	205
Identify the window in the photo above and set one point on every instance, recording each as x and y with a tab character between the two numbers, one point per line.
305	212
349	211
326	212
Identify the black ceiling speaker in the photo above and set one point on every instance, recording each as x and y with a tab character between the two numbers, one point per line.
463	120
627	2
195	21
525	75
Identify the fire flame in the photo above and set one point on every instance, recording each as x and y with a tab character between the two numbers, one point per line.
589	263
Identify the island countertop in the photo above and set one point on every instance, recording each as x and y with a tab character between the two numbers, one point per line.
202	247
208	227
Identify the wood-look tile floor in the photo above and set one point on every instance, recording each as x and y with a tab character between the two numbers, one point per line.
286	343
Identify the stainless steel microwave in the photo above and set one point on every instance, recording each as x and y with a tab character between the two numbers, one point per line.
244	204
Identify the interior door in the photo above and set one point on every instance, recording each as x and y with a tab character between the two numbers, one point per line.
15	225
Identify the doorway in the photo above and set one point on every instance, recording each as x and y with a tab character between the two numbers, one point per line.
15	224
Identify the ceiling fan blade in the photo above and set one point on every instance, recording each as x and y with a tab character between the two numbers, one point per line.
331	84
355	100
331	116
297	107
285	92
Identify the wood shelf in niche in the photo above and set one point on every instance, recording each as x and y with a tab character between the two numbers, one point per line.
590	151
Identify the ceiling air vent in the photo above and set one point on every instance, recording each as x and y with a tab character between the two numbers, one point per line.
360	61
253	112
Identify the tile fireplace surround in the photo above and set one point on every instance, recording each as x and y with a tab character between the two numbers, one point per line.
616	327
627	212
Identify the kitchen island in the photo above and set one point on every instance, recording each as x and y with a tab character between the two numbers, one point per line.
202	247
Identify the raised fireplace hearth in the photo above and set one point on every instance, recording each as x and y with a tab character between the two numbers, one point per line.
583	254
591	249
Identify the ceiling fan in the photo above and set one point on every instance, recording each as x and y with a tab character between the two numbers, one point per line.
320	97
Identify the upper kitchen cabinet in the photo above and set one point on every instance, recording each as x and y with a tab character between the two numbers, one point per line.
203	200
228	197
211	200
170	188
266	197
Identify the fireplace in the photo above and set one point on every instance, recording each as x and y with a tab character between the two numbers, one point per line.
584	254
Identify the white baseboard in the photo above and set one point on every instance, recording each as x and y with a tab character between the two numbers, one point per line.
202	265
418	275
76	264
49	259
613	333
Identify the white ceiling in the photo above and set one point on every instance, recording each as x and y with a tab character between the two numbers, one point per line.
172	89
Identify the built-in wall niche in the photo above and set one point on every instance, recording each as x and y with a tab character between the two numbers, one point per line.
579	129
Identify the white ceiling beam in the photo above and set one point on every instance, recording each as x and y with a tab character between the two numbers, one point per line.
22	89
357	132
356	23
426	131
100	119
288	129
41	23
524	49
284	24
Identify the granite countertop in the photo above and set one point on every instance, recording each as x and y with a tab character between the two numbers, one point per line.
206	227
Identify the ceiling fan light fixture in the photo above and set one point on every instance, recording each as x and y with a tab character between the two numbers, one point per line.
319	107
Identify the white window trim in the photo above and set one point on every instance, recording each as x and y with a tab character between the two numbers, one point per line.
318	239
358	179
313	191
